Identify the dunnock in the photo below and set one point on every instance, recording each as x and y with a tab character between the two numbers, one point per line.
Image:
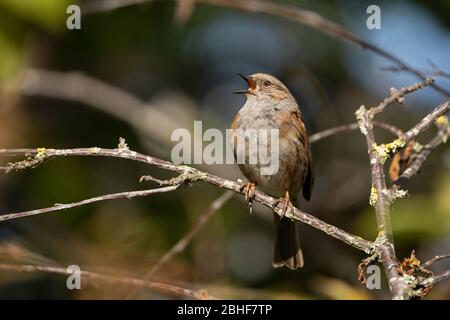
270	105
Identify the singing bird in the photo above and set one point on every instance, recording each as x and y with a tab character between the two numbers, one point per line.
270	105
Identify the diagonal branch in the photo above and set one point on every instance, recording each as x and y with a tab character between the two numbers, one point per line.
435	279
184	241
425	151
435	259
40	155
426	122
397	96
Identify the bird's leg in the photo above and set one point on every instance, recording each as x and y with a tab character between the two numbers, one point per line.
287	204
249	192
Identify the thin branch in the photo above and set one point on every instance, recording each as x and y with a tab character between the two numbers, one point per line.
186	174
426	122
351	127
398	95
181	244
420	159
435	279
61	206
161	287
437	72
435	259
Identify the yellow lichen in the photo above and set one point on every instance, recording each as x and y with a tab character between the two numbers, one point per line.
40	153
442	121
385	151
443	124
373	196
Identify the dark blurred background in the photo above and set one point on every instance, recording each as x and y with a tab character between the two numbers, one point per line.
186	72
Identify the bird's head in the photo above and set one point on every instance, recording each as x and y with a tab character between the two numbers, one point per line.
264	86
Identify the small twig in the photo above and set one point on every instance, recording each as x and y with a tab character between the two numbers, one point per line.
438	71
415	166
398	95
186	239
426	122
61	206
435	279
434	73
351	127
162	287
435	259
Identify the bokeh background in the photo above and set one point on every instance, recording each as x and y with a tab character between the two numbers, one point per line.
180	72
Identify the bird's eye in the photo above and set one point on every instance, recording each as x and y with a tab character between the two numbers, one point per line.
267	83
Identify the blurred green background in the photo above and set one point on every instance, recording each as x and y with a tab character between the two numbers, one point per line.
181	72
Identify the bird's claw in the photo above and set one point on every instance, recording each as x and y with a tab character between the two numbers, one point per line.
287	204
249	193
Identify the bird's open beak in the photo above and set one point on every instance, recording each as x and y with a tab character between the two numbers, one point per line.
251	84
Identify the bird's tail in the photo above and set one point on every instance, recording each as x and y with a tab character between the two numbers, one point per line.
286	245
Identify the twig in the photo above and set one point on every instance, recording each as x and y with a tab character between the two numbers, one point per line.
426	122
350	127
435	279
437	72
420	158
162	287
190	174
435	259
61	206
398	95
186	239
